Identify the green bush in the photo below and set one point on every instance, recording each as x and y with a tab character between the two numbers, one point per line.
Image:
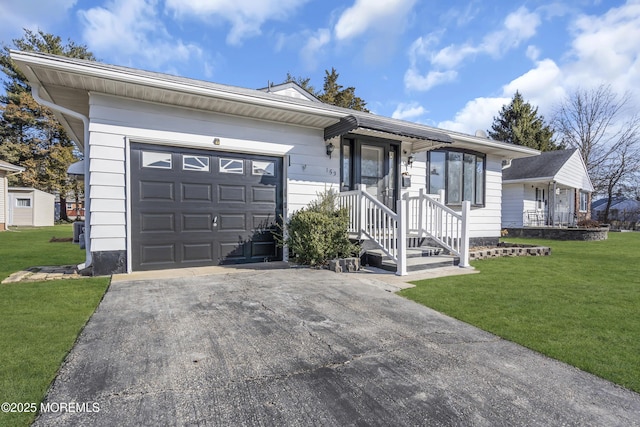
319	233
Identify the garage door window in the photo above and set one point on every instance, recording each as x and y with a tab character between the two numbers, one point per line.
231	166
195	163
263	168
151	159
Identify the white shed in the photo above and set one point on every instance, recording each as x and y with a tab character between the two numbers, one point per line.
30	207
6	169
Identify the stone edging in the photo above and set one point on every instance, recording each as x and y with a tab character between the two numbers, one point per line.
510	250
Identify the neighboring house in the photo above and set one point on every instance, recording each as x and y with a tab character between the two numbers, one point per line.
181	172
623	213
75	209
552	189
30	207
6	169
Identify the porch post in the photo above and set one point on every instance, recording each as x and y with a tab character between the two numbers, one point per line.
422	211
402	237
464	244
362	220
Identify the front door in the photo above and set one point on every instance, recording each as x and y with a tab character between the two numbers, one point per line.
377	172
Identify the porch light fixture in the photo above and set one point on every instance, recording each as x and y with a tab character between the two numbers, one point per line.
330	149
410	160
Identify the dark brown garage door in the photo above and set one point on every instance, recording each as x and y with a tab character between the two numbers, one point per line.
197	207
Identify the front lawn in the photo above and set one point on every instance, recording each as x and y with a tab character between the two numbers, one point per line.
581	305
39	321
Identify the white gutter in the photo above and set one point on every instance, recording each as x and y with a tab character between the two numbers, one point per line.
15	173
35	92
187	86
492	144
544	179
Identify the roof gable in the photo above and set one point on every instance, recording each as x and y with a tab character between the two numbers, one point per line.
290	89
563	166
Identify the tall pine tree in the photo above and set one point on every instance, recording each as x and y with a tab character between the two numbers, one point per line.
30	134
519	123
332	92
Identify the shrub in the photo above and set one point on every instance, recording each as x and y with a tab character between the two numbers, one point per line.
319	233
588	223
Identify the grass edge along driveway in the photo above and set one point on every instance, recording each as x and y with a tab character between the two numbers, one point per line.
579	305
40	320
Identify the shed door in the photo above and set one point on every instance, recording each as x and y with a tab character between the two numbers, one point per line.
197	207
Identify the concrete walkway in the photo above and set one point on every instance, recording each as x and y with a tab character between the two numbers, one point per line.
309	347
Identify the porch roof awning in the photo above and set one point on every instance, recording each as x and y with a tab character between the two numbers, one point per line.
392	129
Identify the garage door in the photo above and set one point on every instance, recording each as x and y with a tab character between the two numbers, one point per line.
197	207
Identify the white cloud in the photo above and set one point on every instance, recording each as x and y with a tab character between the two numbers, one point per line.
32	15
476	114
245	16
533	53
128	29
541	86
410	111
415	81
518	27
606	49
314	46
366	14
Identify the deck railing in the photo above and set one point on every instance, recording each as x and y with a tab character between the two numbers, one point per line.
416	216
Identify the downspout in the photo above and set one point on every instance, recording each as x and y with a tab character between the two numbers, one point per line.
35	92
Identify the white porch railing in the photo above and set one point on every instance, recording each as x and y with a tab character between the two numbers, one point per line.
427	216
423	216
371	219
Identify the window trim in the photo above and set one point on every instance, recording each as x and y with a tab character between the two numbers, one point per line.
22	199
586	201
478	154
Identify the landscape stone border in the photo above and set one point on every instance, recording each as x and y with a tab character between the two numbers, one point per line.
508	249
557	233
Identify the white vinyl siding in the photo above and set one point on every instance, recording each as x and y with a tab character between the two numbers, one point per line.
573	174
308	169
512	205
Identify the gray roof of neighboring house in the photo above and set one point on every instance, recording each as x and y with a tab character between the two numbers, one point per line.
546	165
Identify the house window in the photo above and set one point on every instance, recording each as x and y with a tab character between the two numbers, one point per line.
23	203
461	174
584	201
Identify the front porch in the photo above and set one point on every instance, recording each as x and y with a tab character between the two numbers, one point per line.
400	236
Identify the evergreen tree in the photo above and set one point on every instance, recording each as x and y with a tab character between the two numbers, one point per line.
333	93
30	134
519	123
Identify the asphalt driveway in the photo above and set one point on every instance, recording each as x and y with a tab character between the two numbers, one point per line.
308	347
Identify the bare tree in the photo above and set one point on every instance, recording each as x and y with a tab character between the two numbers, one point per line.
598	123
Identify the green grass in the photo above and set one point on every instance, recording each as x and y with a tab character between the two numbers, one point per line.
581	305
40	321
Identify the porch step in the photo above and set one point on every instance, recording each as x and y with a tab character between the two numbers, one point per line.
420	258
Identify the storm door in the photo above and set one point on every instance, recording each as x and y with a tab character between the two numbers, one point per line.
375	165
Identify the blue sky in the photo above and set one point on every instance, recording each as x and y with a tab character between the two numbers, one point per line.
450	64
